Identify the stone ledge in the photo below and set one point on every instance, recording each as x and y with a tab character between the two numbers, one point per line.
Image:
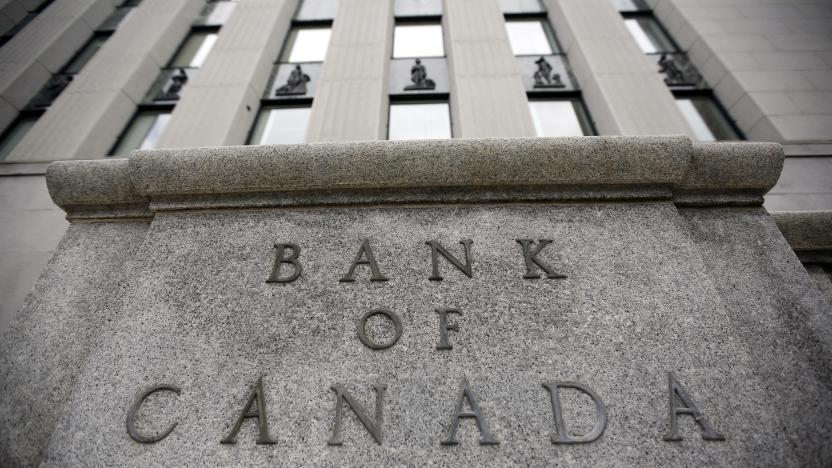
809	233
431	171
95	189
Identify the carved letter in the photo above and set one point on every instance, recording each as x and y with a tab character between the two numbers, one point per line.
363	251
436	249
677	392
530	256
444	326
131	415
279	259
560	436
465	394
375	429
362	330
258	395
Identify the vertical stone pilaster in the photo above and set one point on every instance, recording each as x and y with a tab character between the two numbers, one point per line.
42	48
487	96
87	118
624	93
219	106
351	101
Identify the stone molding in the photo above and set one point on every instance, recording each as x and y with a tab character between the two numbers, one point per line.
428	171
809	233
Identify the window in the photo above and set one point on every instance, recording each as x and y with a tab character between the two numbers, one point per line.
418	40
317	10
530	37
281	125
561	117
216	13
15	133
649	35
423	8
84	55
521	6
630	5
419	121
143	132
194	50
307	45
706	118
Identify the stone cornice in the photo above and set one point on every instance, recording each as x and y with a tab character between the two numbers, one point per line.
809	233
434	171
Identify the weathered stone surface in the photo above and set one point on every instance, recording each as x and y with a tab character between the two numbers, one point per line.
809	233
95	189
41	354
638	302
712	294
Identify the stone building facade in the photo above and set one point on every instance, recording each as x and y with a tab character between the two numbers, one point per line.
84	79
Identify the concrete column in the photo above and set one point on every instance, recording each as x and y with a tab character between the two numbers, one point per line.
87	118
487	95
351	101
769	63
228	87
621	87
42	48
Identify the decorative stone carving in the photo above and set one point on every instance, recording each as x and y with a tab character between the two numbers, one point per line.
177	80
678	70
544	78
295	85
419	77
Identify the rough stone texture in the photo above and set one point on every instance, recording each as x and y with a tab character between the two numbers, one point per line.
822	276
714	295
777	309
95	189
199	314
808	233
464	163
41	354
730	171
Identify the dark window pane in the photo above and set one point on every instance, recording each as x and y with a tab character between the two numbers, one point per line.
84	55
630	5
649	35
419	121
116	18
706	119
15	134
404	8
522	6
281	125
143	132
216	13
